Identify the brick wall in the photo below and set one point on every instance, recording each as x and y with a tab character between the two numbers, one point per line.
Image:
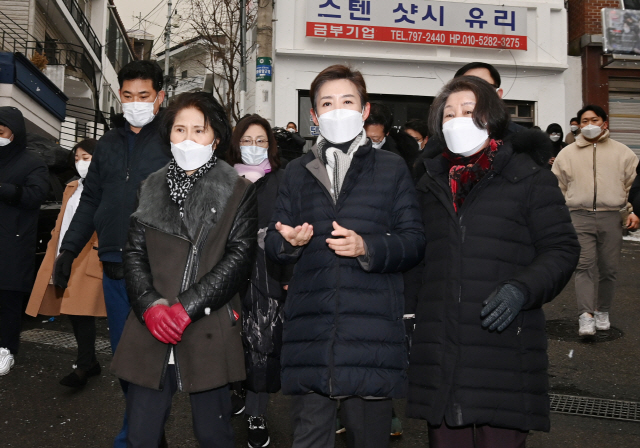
585	17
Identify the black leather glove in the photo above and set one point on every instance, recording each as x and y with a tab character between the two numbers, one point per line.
62	268
502	306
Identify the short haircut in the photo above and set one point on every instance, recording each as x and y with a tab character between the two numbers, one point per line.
235	155
339	72
88	145
574	119
291	122
380	114
599	111
420	126
214	116
495	75
142	70
490	112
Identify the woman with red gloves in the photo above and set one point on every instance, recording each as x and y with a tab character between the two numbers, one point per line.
191	244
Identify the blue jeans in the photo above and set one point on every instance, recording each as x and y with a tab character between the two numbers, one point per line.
117	304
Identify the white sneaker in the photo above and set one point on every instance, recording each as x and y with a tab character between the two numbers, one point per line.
587	325
6	361
602	320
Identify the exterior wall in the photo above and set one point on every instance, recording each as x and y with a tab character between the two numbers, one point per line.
537	74
585	16
573	90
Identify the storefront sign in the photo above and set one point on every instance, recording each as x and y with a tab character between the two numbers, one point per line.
621	31
263	69
419	22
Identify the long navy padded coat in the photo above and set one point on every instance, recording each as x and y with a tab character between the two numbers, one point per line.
343	330
513	228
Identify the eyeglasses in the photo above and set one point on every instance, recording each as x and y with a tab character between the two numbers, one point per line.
260	141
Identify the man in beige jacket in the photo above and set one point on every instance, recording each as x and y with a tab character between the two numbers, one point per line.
595	174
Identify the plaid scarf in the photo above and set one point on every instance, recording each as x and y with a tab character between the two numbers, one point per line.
181	184
466	172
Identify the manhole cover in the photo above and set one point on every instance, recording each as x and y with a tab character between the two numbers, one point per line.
567	330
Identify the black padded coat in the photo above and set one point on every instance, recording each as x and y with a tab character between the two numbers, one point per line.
24	183
514	227
343	330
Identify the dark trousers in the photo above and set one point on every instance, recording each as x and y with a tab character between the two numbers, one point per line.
483	436
84	329
256	403
149	409
10	313
117	303
368	422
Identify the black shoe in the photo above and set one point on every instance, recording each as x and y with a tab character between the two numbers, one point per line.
95	370
258	432
237	403
76	379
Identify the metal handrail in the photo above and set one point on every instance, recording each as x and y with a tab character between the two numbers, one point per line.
84	25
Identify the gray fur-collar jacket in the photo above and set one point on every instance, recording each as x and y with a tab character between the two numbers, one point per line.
220	216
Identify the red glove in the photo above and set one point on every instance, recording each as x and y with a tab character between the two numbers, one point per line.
159	321
180	317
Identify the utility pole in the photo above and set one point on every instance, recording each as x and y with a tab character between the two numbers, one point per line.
243	55
167	38
264	61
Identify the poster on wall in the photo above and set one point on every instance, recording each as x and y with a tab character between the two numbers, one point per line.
621	31
419	22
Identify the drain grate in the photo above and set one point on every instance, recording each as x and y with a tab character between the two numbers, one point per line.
62	339
595	407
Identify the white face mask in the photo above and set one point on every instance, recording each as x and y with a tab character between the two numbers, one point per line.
291	130
380	144
4	141
574	128
82	167
138	113
253	155
591	131
190	155
463	137
554	137
341	125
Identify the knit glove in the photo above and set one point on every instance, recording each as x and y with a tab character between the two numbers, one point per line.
159	321
62	268
180	317
502	306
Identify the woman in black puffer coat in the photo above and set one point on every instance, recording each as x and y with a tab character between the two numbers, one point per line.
500	244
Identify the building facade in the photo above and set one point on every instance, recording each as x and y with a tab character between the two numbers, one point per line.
407	50
78	45
610	78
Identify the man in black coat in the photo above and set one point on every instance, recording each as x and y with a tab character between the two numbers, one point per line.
24	183
347	215
124	157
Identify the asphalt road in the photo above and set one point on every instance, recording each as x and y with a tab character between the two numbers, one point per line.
35	411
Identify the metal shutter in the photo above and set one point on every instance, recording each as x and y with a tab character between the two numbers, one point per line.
624	112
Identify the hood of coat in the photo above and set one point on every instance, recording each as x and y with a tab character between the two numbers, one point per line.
205	202
12	118
583	143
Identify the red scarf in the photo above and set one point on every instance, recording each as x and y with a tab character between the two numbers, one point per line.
466	172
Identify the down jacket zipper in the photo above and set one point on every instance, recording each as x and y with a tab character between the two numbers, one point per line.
595	181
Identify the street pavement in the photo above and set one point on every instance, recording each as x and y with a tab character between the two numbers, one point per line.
35	411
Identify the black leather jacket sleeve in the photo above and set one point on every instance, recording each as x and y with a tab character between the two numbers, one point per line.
138	278
218	287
